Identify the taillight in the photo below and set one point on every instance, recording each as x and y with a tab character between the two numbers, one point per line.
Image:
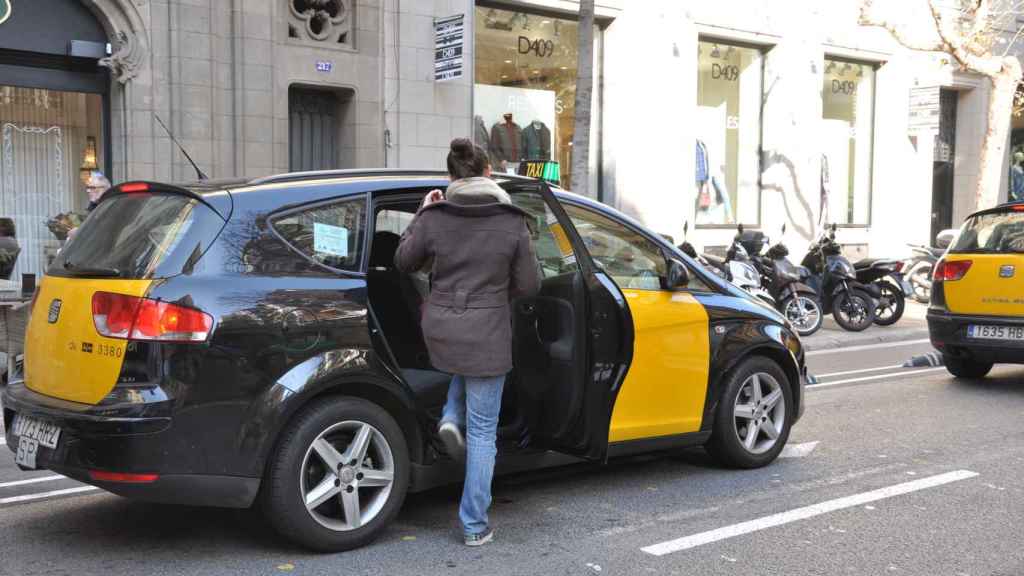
131	317
103	476
898	267
135	187
948	271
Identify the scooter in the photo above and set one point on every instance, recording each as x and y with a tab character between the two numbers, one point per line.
919	267
742	271
893	289
851	303
797	301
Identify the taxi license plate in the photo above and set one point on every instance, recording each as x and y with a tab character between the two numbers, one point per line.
32	434
982	332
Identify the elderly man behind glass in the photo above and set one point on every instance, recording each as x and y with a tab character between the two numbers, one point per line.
95	187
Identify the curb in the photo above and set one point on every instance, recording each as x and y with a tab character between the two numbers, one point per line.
872	336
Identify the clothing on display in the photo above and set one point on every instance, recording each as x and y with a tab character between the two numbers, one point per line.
702	162
480	135
536	144
506	141
714	206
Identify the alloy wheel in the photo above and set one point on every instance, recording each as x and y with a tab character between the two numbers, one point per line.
804	313
854	310
347	475
759	413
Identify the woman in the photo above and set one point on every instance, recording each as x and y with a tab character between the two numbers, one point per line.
481	255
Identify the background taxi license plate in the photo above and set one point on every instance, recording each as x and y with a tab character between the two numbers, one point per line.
983	332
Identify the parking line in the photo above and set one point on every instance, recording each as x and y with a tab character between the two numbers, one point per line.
878	377
861	371
804	513
31	481
41	495
867	347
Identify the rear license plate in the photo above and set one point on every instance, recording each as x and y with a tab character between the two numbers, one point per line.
982	332
27	450
45	433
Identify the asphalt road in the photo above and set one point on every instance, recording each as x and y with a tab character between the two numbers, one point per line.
893	471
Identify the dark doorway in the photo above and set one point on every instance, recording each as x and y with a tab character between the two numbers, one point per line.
315	129
942	169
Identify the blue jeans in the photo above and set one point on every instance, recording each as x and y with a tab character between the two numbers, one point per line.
480	398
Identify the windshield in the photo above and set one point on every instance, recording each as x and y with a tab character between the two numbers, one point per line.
998	233
139	236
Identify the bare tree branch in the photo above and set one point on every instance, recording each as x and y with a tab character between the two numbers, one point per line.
868	19
956	46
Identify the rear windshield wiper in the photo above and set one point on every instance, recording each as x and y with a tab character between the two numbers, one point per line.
88	271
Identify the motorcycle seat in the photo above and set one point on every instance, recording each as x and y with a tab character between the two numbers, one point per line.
867	263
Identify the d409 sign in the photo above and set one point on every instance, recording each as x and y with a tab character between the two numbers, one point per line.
538	47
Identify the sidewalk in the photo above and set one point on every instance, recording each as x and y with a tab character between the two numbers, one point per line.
911	327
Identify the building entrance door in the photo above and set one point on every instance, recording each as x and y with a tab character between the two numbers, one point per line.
942	169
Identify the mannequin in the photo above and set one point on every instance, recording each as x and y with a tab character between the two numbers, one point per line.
506	141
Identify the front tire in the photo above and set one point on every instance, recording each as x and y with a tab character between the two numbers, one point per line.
804	312
891	305
967	368
753	416
338	475
854	310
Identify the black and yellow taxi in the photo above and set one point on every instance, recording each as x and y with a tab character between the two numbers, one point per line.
976	315
252	343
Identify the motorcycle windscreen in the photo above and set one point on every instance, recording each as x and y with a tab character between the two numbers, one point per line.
993	284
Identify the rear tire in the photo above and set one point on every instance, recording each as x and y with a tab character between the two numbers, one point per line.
769	409
854	310
297	472
891	305
967	368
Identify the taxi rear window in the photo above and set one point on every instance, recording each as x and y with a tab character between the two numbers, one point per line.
991	233
139	236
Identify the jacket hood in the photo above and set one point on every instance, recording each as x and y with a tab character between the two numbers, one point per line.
478	190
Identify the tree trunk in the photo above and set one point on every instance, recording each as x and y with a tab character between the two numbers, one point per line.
584	92
993	146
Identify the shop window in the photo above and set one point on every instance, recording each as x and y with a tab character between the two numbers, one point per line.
847	134
524	97
331	235
50	142
728	128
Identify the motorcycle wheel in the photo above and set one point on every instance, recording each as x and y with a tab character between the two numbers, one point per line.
921	282
890	306
854	310
804	312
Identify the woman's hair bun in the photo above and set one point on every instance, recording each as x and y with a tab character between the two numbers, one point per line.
462	147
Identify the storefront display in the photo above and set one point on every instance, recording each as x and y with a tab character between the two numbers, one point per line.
524	96
728	128
49	141
846	139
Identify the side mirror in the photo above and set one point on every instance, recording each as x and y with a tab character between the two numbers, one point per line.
678	275
783	228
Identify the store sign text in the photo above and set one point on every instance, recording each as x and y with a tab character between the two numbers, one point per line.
729	72
539	48
848	87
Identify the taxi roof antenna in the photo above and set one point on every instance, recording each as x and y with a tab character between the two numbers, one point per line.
199	173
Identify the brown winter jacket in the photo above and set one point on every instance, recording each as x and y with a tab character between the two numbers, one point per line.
482	259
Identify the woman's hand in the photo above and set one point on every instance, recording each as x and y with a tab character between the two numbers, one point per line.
433	197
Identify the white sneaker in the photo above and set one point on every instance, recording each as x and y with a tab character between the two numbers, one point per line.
454	443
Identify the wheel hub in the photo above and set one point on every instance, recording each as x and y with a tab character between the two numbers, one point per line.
347	474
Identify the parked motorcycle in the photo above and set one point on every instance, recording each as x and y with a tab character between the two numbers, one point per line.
892	288
850	302
742	271
797	301
919	267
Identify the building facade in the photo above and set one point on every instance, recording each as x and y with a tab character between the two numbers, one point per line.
705	114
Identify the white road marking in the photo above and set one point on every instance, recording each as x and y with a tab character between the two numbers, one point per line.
861	371
31	481
868	347
804	513
3	440
880	376
41	495
798	450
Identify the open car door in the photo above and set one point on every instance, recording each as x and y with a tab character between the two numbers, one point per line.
573	341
